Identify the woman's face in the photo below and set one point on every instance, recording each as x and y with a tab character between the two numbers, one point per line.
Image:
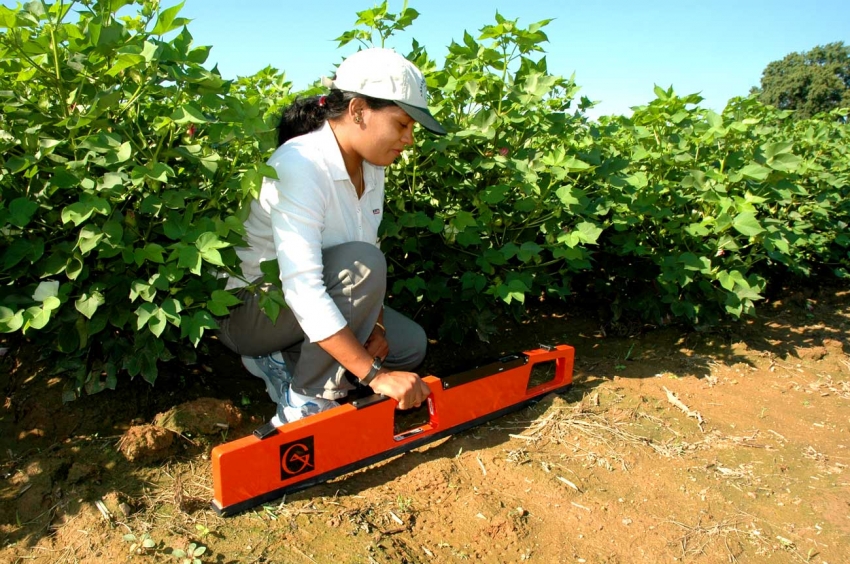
386	133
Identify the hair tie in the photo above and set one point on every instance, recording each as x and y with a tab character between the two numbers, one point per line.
323	101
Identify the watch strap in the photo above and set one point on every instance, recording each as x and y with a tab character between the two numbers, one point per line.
377	363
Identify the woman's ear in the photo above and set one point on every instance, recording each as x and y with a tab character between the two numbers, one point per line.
355	109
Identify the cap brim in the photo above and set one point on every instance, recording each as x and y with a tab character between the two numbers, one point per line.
423	117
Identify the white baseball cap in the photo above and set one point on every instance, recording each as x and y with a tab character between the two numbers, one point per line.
384	74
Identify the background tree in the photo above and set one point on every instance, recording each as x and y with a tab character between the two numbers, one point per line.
810	83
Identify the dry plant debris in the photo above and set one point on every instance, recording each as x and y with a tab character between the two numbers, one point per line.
671	397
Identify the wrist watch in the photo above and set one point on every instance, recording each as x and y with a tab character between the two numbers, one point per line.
376	366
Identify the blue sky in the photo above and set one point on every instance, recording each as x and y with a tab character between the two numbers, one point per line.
617	49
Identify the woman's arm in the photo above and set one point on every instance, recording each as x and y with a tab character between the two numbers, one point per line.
405	387
297	222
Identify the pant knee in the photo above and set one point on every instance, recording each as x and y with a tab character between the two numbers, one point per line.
371	257
420	347
408	353
362	260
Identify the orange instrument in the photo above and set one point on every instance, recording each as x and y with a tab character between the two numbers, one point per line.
276	461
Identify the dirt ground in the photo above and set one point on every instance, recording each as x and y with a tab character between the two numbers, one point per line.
730	445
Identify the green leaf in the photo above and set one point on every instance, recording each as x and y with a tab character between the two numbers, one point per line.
171	308
573	164
193	327
728	280
267	171
755	171
87	304
64	179
771	150
10	321
152	252
89	238
51	303
436	225
570	195
537	85
122	154
585	232
46	289
697	230
208	244
714	120
36	317
271	302
152	316
694	262
210	241
590	232
462	220
469	238
271	272
17	164
114	6
21	211
159	172
746	223
143	314
142	289
250	183
221	301
16	252
188	113
494	194
785	162
78	212
512	291
74	267
528	251
189	257
168	20
125	61
199	55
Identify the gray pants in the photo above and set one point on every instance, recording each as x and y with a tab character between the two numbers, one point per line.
355	275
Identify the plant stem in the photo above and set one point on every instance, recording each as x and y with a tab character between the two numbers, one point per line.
62	98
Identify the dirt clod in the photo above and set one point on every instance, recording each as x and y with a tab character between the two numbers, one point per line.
205	416
146	443
812	353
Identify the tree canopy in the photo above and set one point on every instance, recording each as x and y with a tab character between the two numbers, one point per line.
810	83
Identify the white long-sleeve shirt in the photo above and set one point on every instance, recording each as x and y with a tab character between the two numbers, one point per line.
312	206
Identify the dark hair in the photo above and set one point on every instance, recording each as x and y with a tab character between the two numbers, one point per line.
306	114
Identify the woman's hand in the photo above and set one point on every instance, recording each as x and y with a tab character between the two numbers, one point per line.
377	344
407	388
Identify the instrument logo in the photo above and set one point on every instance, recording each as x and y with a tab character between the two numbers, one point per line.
296	458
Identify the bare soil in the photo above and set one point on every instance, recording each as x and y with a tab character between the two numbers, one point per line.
729	445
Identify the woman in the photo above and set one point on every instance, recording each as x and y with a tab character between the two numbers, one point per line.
319	220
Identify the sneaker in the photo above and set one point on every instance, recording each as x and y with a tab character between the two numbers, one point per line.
297	406
272	369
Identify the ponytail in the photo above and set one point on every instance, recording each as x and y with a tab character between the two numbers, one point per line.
306	115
